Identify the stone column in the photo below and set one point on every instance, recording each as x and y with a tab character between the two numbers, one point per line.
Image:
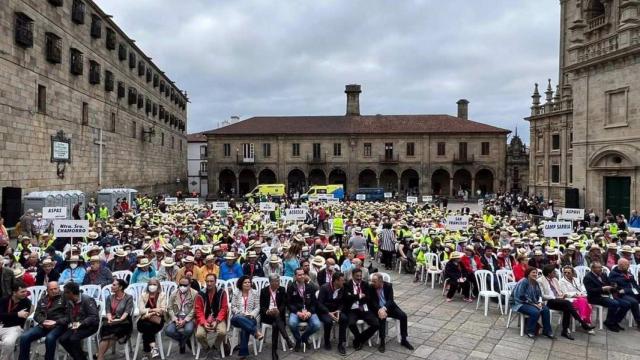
237	185
473	186
451	190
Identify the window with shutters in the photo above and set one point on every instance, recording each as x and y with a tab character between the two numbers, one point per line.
266	150
108	81
134	130
295	149
133	96
367	150
161	86
148	76
337	149
77	12
111	39
173	94
411	149
132	60
122	52
96	26
147	106
485	148
121	89
441	149
23	30
226	150
76	61
156	80
94	72
140	101
141	68
154	109
53	48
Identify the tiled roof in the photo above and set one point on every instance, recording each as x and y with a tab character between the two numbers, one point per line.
197	137
367	124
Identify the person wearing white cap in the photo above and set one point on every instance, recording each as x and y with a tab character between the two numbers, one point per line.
230	268
74	272
273	266
143	272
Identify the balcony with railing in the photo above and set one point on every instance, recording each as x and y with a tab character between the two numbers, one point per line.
241	160
202	173
596	22
462	160
389	159
316	159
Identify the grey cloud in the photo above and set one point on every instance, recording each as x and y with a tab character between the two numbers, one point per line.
257	57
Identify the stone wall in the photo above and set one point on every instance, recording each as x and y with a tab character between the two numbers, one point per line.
130	158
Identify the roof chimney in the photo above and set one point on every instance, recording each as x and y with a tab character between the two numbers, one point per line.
463	109
353	99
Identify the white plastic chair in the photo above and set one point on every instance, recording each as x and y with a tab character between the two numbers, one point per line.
136	291
105	292
267	327
433	268
94	336
505	278
385	277
168	287
580	271
285	281
486	291
95	291
123	274
260	282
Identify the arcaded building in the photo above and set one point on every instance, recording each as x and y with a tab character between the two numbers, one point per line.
406	154
81	106
585	133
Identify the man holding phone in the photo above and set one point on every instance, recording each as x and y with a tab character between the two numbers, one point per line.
600	291
52	320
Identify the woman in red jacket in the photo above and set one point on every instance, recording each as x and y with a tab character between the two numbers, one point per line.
471	262
520	267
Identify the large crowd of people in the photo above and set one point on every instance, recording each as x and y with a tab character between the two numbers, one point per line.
211	280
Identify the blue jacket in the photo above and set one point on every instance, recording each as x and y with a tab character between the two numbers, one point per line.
230	272
142	276
625	281
524	293
76	275
634	222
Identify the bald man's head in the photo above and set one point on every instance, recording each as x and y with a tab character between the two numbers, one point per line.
623	264
53	289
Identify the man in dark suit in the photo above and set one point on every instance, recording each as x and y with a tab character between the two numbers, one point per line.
273	299
356	306
325	275
600	291
330	302
84	321
302	303
382	304
252	267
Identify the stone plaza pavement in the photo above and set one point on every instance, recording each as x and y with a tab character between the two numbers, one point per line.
440	330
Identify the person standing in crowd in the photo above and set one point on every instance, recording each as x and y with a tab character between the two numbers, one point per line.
153	307
211	309
302	303
387	244
382	303
181	314
14	311
245	309
527	297
83	322
330	302
272	312
51	319
337	226
117	324
600	291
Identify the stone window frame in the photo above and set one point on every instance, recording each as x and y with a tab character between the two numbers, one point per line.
367	149
411	149
443	145
607	106
551	177
556	136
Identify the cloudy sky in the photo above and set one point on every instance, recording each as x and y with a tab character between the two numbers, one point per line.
270	57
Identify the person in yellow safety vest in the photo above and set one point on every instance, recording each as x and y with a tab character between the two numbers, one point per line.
488	218
278	213
91	216
613	228
338	228
421	260
103	212
370	234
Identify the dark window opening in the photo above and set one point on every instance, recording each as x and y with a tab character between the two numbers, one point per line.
122	52
42	99
76	62
140	101
85	113
148	75
24	30
108	80
77	12
111	39
53	45
56	2
133	95
132	60
94	72
411	149
154	109
141	68
96	26
120	90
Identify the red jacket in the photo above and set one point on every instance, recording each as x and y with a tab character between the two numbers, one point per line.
201	319
465	262
518	270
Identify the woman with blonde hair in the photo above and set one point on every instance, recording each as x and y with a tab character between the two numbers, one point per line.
152	305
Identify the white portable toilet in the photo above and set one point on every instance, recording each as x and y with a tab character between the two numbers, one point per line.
38	199
110	196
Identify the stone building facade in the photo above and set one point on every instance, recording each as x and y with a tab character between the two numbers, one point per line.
66	66
585	135
517	165
406	154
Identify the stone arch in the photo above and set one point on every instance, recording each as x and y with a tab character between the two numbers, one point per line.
594	9
440	182
296	181
227	182
461	181
389	180
610	157
410	181
338	176
267	176
246	181
317	177
484	181
367	179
